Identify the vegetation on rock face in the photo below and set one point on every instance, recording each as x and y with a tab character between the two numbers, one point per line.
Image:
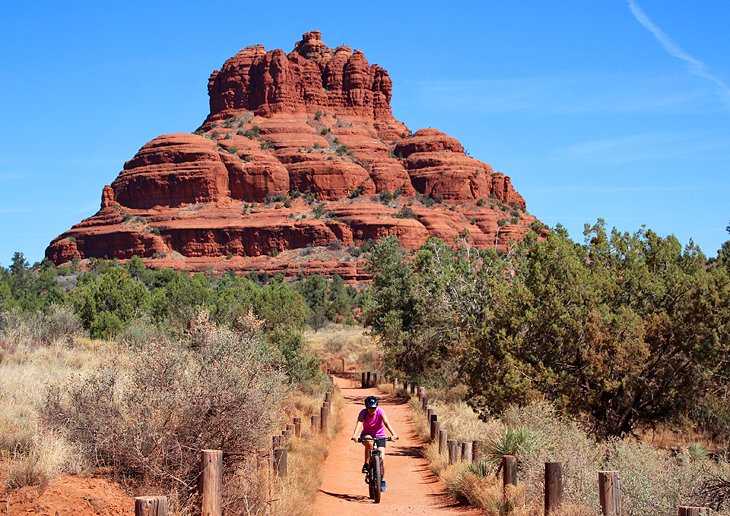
628	329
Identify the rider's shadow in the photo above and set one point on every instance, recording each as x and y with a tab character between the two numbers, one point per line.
348	497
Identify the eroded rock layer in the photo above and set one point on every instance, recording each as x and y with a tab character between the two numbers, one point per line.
299	164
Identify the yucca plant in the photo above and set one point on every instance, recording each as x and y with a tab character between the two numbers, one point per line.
513	441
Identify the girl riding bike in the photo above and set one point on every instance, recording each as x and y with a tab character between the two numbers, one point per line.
374	422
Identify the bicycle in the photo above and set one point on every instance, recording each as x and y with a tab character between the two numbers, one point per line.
374	476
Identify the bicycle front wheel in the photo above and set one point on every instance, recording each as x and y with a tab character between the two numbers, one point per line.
376	476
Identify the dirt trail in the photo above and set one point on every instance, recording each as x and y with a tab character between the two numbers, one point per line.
412	488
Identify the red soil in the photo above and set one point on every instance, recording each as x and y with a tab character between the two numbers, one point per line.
68	495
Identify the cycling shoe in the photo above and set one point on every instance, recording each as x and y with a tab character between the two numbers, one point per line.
364	468
383	487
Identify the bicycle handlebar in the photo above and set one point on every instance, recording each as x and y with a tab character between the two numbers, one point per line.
361	439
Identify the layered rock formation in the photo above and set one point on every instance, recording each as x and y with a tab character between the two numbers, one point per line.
299	163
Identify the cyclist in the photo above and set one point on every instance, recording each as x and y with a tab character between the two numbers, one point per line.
374	422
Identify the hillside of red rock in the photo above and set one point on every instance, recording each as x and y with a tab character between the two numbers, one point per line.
299	164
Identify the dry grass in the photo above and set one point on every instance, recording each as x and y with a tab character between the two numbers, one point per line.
654	481
337	341
305	457
36	453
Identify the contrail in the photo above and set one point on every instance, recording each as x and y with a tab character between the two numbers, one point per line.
696	67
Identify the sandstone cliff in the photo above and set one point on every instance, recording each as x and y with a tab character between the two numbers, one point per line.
299	162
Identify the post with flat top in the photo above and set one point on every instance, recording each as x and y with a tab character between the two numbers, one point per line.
424	403
328	396
435	427
298	426
553	487
324	414
211	482
443	438
281	462
367	380
609	492
453	454
476	451
692	510
362	382
509	470
315	424
150	506
375	379
466	451
291	430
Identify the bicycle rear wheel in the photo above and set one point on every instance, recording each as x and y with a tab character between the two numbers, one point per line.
376	476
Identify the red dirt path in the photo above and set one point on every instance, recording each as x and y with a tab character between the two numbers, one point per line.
412	487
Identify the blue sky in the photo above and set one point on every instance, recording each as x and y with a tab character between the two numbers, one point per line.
616	109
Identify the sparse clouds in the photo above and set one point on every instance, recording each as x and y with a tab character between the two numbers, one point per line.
592	94
655	146
696	67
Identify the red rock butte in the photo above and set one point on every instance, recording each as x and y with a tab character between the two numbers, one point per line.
299	163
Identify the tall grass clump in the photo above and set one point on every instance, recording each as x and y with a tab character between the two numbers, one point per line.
149	414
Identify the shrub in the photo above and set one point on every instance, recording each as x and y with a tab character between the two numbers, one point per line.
319	114
481	202
150	418
325	131
342	150
252	133
266	145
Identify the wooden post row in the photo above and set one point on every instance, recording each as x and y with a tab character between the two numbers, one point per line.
367	378
150	506
609	492
211	482
553	487
298	426
362	382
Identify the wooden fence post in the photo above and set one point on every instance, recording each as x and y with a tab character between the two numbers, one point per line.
476	451
413	388
328	396
281	460
691	510
298	426
375	379
150	506
466	451
315	424
324	418
211	481
424	403
443	438
435	426
367	378
553	487
395	384
291	430
362	382
609	492
509	470
343	365
453	454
